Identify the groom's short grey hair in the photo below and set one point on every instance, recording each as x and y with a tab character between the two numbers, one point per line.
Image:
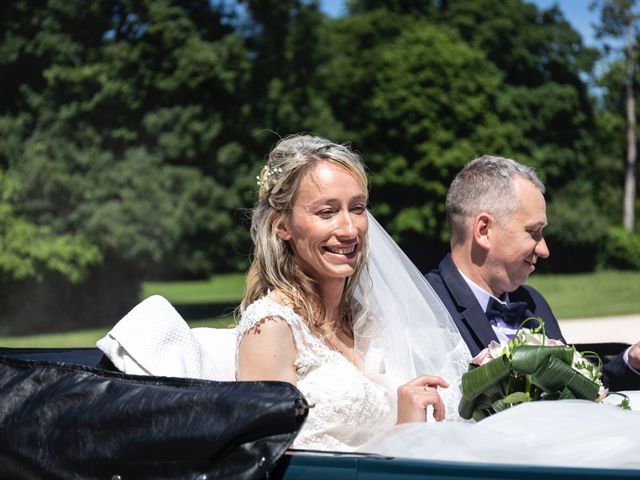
485	184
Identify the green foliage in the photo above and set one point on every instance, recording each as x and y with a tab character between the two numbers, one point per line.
541	59
616	16
29	251
619	19
39	269
530	46
611	139
427	86
430	120
527	370
124	123
137	127
289	76
415	113
608	169
622	249
576	223
404	7
553	127
576	231
131	135
191	84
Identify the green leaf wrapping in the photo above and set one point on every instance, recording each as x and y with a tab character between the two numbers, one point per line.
516	397
508	401
499	405
554	375
466	407
534	372
528	358
566	394
483	381
477	380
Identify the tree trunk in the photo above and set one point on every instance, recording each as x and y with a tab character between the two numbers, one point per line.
630	174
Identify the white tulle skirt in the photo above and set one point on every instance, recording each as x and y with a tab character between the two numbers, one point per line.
568	433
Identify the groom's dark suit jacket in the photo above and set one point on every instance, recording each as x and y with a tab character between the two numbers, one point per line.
475	328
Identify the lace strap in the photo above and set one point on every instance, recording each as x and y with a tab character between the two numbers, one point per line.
265	308
306	343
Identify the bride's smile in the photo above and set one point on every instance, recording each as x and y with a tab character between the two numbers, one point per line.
328	223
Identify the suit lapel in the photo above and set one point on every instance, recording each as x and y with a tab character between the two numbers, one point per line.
472	315
552	329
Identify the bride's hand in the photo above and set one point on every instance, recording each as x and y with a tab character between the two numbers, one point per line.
416	395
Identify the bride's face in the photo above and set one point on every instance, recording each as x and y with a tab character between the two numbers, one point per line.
328	223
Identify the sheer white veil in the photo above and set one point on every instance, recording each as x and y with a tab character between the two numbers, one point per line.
405	330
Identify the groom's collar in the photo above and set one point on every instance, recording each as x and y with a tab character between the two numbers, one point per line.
482	296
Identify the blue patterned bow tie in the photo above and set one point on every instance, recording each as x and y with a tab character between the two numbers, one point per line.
512	313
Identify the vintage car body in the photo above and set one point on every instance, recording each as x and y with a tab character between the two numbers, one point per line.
298	465
65	414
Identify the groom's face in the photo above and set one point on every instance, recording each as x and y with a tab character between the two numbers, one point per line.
517	241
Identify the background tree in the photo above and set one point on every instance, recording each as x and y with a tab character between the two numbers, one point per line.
31	256
619	20
134	129
544	65
611	140
526	98
288	44
123	130
407	103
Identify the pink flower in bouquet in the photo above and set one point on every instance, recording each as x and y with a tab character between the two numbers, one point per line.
493	351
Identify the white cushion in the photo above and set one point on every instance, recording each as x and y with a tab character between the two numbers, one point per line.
153	339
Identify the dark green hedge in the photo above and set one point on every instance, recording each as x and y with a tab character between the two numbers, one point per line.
622	249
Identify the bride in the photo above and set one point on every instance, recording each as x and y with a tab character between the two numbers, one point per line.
307	313
361	335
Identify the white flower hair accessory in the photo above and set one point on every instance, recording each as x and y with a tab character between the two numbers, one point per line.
267	177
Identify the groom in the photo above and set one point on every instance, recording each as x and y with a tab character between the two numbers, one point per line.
496	213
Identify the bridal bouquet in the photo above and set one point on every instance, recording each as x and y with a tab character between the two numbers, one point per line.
528	368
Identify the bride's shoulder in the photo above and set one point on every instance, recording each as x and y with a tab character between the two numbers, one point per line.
272	302
273	306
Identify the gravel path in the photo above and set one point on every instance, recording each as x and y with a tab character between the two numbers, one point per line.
624	328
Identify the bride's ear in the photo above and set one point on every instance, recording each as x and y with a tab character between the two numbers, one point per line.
282	231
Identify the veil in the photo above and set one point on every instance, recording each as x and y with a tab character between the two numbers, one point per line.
404	329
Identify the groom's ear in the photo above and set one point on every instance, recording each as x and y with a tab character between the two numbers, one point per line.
481	230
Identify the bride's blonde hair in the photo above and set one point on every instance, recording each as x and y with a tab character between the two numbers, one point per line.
273	266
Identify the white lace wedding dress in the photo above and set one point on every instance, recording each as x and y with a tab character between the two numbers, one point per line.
348	408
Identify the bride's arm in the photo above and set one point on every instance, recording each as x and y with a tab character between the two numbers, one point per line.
268	352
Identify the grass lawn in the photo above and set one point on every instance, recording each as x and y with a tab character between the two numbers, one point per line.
571	296
589	295
221	288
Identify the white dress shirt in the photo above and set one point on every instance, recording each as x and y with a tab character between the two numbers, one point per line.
502	329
